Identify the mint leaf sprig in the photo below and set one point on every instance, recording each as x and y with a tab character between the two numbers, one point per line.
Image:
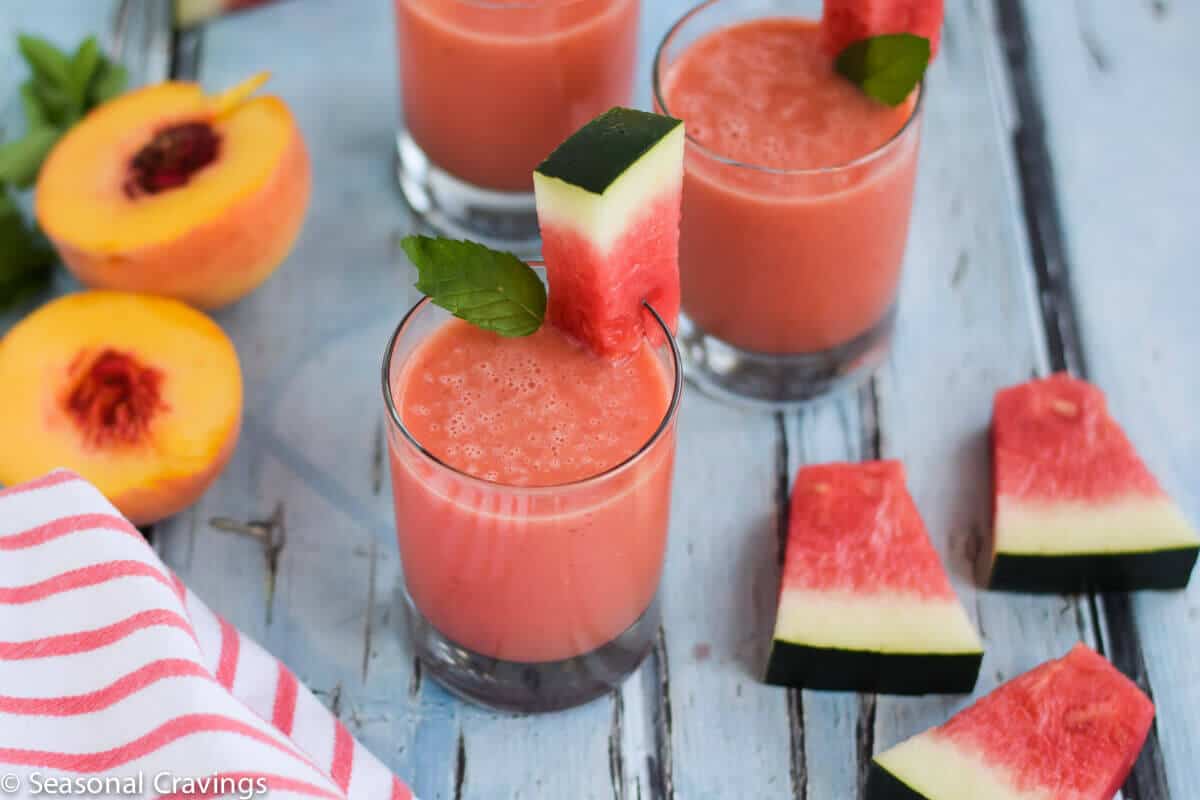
25	256
61	89
886	67
490	289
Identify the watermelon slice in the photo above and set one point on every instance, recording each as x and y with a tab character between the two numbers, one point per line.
844	22
1070	729
865	604
193	12
608	207
1075	507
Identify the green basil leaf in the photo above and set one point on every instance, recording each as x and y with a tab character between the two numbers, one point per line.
21	158
490	289
886	67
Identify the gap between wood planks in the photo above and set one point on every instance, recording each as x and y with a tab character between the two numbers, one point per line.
1112	615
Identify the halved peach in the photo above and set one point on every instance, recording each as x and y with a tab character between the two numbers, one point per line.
170	191
140	395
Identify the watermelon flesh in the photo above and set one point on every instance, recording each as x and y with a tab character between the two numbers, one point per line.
608	205
855	528
1070	729
1069	484
864	601
597	288
844	22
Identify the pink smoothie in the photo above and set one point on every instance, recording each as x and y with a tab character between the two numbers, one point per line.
533	558
796	257
490	87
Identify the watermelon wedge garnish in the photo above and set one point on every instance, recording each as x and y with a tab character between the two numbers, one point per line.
1070	729
844	22
192	12
608	207
1075	505
864	603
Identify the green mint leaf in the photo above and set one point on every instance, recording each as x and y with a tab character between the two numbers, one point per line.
35	115
110	81
26	259
82	69
492	290
886	67
56	104
21	158
49	64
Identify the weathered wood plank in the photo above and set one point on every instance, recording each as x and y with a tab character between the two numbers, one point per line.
730	733
828	721
1121	124
968	327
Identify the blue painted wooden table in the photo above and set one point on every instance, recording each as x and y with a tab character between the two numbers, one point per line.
1055	226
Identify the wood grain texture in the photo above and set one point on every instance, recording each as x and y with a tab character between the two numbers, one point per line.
730	733
1121	123
968	327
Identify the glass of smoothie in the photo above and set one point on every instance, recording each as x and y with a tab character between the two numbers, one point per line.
532	484
797	194
489	88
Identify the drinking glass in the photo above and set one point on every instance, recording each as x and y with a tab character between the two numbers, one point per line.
489	89
789	277
528	598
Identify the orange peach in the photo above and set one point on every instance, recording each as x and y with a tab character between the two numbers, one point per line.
169	191
140	395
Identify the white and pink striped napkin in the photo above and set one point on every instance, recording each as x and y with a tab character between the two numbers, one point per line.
114	676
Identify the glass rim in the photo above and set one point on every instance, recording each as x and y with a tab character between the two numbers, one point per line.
660	430
657	68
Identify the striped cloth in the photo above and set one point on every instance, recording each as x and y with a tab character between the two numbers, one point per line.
113	675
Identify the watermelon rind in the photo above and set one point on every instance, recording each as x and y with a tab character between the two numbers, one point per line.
597	180
607	147
1161	570
887	643
831	669
883	785
1116	546
928	767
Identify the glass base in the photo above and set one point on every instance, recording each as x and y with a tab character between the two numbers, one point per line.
501	220
772	381
531	687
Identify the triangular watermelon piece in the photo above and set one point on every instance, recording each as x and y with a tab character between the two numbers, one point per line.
608	204
1070	729
864	603
1075	506
844	22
